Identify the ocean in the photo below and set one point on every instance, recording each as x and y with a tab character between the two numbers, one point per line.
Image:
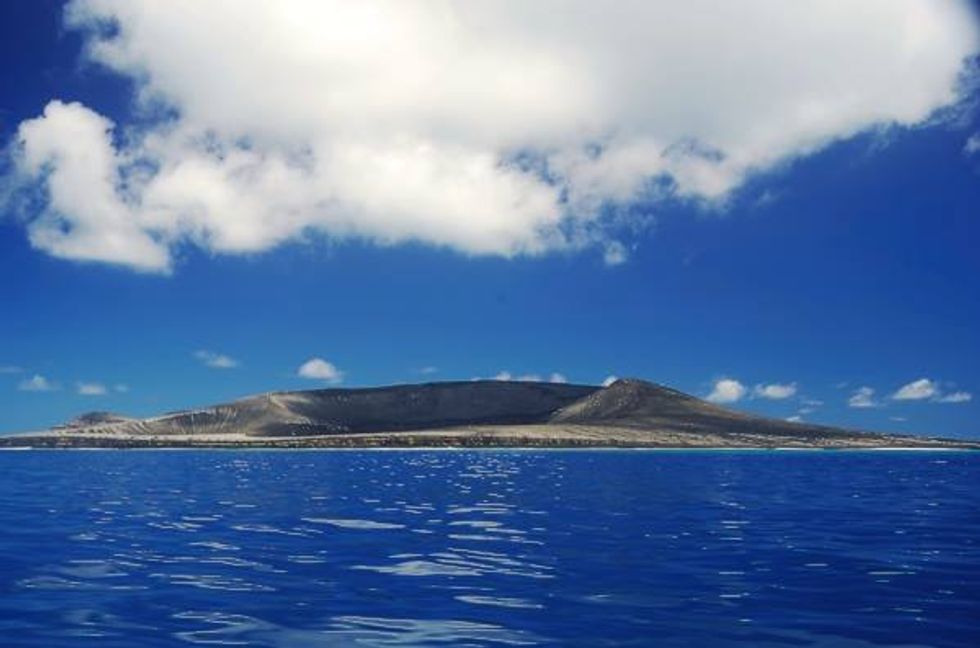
489	548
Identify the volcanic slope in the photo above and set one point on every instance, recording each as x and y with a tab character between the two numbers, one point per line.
629	412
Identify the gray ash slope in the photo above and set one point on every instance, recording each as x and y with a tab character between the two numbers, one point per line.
632	403
379	409
90	419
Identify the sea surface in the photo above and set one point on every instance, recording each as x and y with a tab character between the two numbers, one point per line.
489	548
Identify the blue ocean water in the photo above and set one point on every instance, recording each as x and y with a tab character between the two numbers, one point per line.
475	548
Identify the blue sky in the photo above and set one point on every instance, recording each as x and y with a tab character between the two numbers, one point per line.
820	261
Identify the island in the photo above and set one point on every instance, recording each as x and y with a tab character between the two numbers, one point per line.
628	413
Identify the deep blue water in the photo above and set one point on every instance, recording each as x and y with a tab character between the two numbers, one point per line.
129	548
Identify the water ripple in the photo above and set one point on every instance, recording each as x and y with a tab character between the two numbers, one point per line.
489	548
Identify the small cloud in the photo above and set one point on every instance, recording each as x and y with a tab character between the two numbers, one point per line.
807	410
955	397
972	145
507	376
766	198
557	378
811	402
920	389
320	369
10	369
609	380
216	360
775	391
428	371
727	390
794	419
91	389
121	388
37	383
897	419
862	398
614	254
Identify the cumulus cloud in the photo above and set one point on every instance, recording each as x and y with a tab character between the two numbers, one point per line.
727	390
506	376
85	218
863	397
955	397
775	391
926	389
486	128
37	383
615	254
215	360
921	389
320	369
91	389
972	145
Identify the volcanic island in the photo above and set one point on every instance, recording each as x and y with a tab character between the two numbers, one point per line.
629	413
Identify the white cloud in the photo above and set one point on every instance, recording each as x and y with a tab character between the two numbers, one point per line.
529	377
926	389
10	369
920	389
216	360
37	383
320	369
955	397
863	397
609	380
727	390
91	389
428	371
898	419
794	419
972	145
486	128
615	253
86	217
775	391
121	388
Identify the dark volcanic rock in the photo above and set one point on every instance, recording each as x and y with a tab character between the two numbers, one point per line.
89	419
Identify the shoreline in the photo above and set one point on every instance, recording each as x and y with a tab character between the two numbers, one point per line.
671	450
967	446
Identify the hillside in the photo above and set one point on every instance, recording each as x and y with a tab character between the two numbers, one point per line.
632	413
